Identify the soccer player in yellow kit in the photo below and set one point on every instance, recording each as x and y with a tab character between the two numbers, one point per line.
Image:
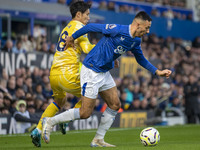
64	74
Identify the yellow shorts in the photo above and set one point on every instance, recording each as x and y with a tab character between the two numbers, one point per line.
61	84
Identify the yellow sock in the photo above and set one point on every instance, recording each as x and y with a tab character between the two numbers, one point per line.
50	111
78	104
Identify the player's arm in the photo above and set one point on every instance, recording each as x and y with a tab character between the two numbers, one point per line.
92	27
147	65
85	44
107	29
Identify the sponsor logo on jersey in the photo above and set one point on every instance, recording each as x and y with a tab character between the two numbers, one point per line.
110	26
119	50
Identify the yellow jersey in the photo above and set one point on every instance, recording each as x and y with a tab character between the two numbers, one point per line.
64	74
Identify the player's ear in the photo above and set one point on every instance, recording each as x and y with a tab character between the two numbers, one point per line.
78	14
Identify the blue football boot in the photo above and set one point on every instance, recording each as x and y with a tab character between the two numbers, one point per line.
36	138
63	127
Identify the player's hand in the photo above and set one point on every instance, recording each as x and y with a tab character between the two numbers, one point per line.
116	63
69	42
164	73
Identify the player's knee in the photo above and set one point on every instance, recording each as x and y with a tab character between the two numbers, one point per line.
116	106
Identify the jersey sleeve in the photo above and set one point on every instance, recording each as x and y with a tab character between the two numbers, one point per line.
85	44
83	41
137	51
107	29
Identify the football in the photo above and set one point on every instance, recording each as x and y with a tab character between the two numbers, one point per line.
149	136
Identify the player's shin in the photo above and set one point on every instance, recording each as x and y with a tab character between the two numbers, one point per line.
107	119
67	116
50	111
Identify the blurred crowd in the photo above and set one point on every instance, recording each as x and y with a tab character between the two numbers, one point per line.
129	8
25	43
138	92
174	3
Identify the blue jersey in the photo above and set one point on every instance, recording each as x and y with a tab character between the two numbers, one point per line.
116	41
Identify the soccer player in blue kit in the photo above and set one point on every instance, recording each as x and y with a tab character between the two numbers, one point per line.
95	76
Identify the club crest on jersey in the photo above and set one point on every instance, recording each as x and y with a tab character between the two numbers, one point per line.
110	26
119	50
122	38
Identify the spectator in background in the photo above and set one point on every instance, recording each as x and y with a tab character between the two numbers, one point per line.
44	47
32	44
52	48
8	46
12	85
36	78
153	104
190	17
7	101
31	109
1	100
3	85
19	82
135	105
176	102
28	87
18	72
12	109
191	90
25	42
62	2
38	92
22	117
124	104
30	101
44	106
163	99
18	48
111	6
38	104
19	94
5	111
144	105
47	91
155	12
196	42
103	5
45	80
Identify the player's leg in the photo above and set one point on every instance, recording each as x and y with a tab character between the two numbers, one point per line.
110	96
83	112
89	93
51	110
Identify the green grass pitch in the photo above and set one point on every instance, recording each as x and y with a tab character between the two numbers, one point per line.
185	137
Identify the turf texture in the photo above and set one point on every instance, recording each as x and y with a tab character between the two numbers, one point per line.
185	137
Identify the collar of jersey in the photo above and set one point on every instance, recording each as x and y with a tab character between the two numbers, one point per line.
77	22
130	31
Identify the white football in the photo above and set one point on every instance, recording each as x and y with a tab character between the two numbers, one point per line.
149	136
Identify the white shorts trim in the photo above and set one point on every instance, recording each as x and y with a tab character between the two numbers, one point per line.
93	82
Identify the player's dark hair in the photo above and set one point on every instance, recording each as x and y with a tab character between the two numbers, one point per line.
143	15
79	6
